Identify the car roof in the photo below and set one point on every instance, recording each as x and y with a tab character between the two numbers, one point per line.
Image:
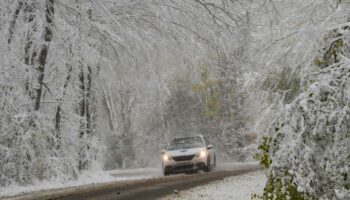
180	137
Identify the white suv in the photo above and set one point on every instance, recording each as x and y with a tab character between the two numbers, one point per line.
188	154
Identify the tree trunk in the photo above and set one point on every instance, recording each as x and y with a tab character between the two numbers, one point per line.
82	151
14	20
85	113
29	56
87	102
60	103
49	14
82	100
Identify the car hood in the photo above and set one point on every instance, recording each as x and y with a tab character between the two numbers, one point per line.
183	152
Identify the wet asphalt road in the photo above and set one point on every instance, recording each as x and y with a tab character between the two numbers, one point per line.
145	189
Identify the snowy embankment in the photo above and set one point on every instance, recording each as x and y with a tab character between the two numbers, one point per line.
235	187
88	179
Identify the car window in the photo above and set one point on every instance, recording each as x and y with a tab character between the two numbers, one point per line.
186	143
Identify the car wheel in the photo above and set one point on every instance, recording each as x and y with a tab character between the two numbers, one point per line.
166	173
207	168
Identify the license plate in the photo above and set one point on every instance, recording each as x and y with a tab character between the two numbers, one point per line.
183	163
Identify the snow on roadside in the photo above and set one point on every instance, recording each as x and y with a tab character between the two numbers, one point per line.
85	179
235	187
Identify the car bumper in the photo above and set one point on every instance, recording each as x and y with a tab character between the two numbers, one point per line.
183	166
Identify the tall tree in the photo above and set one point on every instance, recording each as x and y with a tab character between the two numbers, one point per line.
43	52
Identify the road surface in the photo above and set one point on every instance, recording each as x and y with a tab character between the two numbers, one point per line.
149	188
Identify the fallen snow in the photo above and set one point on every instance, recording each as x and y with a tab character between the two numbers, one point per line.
85	179
235	187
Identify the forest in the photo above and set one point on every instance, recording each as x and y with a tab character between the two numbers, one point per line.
103	85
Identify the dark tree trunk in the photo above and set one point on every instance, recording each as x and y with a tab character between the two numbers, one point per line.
82	100
49	15
82	150
14	20
60	103
29	59
85	113
87	103
29	56
86	110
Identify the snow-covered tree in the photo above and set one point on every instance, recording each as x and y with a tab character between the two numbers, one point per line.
305	151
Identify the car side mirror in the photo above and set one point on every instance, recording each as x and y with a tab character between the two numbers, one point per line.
210	146
162	151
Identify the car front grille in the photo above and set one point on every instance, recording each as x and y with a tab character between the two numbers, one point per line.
183	167
184	158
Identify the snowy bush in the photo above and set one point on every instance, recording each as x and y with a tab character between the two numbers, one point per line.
29	152
249	152
309	152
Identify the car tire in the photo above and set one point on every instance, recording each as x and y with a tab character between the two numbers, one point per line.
166	173
208	167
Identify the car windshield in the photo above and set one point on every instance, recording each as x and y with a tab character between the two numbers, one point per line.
186	143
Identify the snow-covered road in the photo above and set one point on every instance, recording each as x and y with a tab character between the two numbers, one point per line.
128	181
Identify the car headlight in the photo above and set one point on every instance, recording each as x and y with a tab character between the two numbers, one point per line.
166	157
201	154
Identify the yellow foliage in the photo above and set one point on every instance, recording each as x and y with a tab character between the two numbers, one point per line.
210	93
198	88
